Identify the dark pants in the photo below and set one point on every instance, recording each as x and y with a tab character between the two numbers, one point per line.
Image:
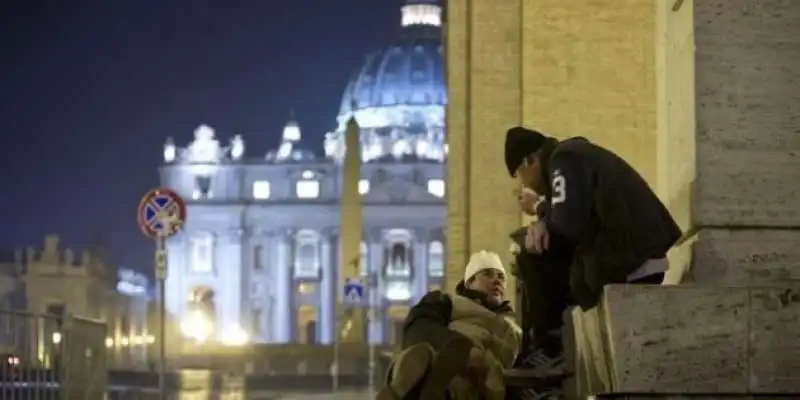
546	292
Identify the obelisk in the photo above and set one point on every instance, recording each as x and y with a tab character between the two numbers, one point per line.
351	326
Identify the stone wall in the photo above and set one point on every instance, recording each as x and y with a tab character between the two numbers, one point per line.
748	113
731	327
693	338
484	80
702	97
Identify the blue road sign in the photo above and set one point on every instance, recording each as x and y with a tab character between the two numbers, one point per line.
353	291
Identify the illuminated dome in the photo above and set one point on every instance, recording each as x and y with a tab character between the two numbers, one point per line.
398	95
408	73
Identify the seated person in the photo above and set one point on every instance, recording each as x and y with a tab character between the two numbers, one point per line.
458	346
599	223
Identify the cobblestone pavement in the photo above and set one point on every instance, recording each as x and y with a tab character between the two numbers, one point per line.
341	395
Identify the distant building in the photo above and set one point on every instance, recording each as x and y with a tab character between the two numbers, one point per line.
259	251
129	335
12	289
59	281
12	301
55	281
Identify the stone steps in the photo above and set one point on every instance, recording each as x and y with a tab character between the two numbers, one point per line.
687	338
682	396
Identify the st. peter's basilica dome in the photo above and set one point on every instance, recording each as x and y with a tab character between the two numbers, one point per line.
398	95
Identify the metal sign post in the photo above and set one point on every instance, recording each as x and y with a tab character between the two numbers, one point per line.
352	297
162	213
371	305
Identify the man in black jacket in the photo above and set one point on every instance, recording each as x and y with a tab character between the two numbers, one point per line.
598	220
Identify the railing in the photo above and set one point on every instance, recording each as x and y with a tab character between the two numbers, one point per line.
51	357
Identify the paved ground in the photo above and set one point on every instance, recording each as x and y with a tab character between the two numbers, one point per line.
343	395
236	395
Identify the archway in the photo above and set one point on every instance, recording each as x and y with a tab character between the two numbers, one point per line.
307	324
199	321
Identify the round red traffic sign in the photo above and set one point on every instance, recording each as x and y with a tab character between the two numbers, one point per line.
162	213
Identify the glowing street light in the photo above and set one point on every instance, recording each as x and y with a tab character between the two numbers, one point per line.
197	326
56	337
234	336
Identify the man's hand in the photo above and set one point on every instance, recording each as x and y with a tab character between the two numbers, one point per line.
476	359
527	200
537	240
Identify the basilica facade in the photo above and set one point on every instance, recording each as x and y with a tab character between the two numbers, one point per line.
259	254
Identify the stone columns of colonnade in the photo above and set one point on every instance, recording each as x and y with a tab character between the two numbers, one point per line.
727	139
703	98
483	77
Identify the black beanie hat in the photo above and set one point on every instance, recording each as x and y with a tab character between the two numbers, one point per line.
520	143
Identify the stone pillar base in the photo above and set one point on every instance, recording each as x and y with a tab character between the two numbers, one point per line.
689	339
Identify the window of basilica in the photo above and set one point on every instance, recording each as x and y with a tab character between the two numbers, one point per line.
398	263
436	187
202	187
397	254
307	263
261	190
363	186
202	245
258	262
307	189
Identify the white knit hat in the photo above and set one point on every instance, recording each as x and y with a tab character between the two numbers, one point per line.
482	260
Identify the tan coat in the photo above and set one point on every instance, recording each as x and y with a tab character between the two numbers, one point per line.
498	335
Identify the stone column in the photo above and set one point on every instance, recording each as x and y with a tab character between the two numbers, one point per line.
375	250
701	97
178	255
257	237
420	284
228	268
484	81
744	179
282	288
729	87
327	311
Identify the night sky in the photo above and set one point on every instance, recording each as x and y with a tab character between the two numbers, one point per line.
89	90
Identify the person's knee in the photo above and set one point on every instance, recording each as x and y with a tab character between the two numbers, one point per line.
417	351
409	366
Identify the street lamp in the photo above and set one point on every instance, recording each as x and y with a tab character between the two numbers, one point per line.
197	325
234	336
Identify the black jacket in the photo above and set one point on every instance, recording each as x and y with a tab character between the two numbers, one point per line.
608	211
428	320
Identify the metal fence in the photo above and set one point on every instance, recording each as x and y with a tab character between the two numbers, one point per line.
46	357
